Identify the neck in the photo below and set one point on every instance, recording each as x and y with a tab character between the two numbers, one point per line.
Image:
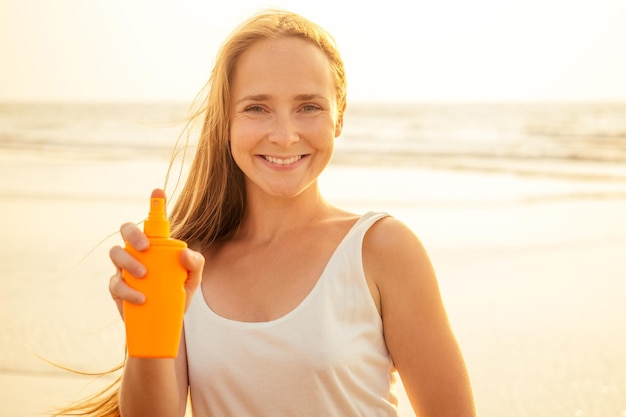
268	218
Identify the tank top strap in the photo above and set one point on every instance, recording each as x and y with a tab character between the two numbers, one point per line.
367	220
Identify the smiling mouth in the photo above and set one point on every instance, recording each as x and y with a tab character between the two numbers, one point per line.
282	161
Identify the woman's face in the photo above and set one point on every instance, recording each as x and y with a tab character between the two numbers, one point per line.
284	116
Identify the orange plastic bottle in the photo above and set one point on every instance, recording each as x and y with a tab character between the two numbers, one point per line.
153	329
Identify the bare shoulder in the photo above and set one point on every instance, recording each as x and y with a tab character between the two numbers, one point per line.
397	267
391	246
389	232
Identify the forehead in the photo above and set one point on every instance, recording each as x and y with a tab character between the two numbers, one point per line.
273	65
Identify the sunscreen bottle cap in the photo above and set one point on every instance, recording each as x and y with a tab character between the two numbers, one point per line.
157	224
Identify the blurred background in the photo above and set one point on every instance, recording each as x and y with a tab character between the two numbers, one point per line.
495	129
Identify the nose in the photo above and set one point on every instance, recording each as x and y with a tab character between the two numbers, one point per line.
284	130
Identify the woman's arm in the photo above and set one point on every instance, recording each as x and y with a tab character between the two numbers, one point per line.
155	387
416	328
152	387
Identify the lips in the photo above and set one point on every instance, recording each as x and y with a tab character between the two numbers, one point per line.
282	161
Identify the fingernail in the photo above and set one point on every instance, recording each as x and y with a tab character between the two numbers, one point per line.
142	244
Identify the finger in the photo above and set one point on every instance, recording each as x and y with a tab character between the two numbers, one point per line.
118	301
124	260
134	236
193	262
120	291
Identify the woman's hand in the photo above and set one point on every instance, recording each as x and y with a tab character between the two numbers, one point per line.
191	260
120	291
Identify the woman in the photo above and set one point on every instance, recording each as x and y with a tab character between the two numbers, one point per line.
302	308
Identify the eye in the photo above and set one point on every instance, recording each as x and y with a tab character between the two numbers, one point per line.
254	109
311	108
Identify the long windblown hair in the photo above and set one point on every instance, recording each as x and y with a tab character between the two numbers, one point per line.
212	201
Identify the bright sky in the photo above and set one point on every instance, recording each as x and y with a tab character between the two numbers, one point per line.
394	50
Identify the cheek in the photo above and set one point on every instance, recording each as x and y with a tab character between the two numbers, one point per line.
325	131
243	139
240	136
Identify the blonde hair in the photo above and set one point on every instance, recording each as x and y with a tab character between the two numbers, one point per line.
212	202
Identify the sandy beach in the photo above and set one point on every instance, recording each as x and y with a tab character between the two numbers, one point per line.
531	269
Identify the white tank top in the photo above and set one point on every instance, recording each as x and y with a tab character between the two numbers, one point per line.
327	357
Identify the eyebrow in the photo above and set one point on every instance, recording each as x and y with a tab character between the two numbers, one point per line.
265	97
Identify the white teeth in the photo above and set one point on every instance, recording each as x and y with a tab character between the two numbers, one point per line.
281	161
